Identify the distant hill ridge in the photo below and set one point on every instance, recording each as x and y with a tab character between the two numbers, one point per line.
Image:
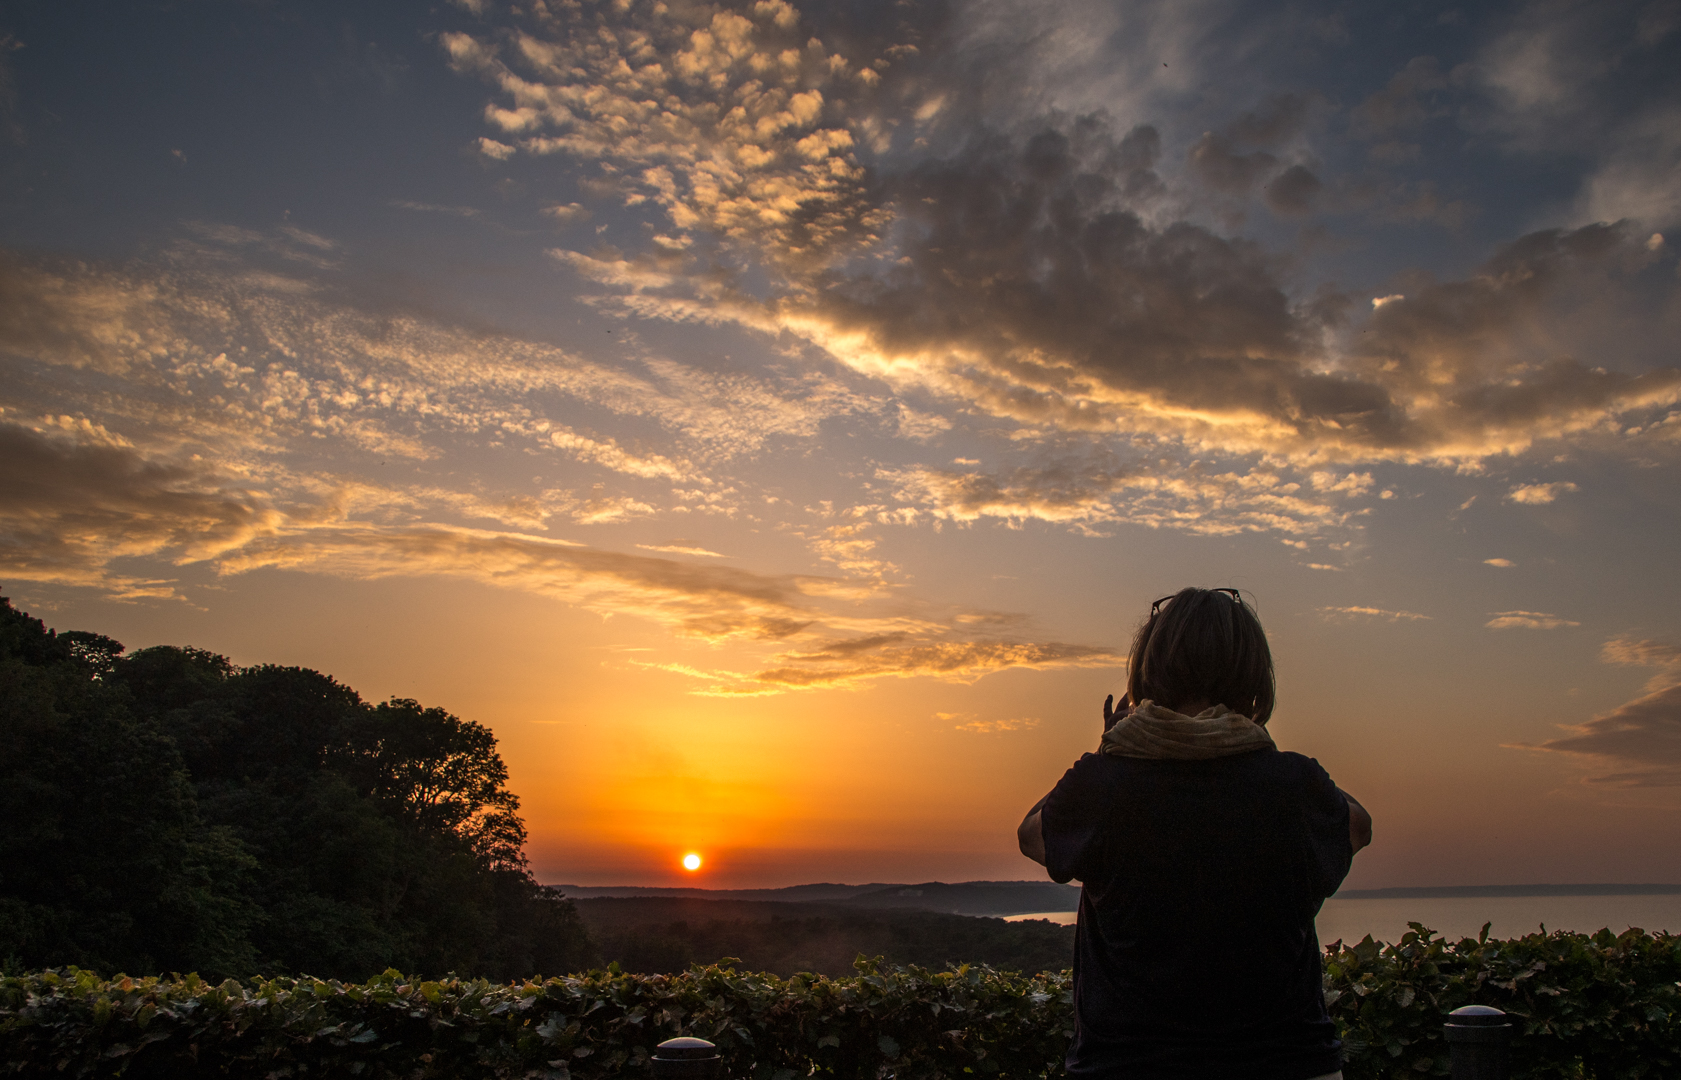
960	898
1027	897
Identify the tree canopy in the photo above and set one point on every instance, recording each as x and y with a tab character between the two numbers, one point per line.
167	810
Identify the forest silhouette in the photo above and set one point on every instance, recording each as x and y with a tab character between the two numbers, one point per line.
166	810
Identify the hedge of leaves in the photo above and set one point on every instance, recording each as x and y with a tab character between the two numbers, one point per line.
893	1022
1590	1007
1586	1007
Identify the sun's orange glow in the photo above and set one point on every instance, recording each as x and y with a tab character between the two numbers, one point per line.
691	861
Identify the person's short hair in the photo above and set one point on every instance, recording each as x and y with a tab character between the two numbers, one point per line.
1203	645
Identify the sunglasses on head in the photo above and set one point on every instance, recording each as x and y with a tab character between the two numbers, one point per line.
1155	607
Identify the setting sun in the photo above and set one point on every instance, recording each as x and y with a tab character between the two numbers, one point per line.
691	861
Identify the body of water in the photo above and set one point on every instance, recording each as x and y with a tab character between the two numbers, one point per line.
1463	916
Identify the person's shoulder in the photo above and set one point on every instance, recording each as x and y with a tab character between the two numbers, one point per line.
1094	769
1298	769
1290	761
1291	766
1093	765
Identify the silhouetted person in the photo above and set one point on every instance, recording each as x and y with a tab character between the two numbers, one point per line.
1204	853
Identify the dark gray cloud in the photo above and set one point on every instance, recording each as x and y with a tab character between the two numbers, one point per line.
1413	96
1293	191
1639	743
1239	156
1024	283
1215	163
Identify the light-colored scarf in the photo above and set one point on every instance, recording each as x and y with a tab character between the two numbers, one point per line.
1150	731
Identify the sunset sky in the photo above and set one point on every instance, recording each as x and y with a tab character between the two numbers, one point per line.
773	421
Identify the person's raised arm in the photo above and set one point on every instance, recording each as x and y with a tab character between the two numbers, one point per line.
1030	834
1359	822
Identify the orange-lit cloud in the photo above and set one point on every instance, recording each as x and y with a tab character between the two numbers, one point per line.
735	123
1527	620
70	508
849	662
1539	494
1628	652
994	727
931	650
1088	495
1356	611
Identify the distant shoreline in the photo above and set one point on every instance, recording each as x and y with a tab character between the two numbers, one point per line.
1443	892
1001	897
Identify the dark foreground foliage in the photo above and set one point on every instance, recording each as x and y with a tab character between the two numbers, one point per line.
1588	1007
880	1022
166	810
1601	1007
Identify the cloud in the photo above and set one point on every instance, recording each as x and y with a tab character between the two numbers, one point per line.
565	212
610	267
608	453
1539	494
1637	178
1628	652
846	542
1590	80
1410	98
710	602
1017	282
924	650
918	649
1238	158
288	241
1034	268
680	549
733	122
993	727
434	208
1086	495
517	510
246	363
1336	614
1639	741
921	426
1502	563
850	662
1056	494
70	509
1526	620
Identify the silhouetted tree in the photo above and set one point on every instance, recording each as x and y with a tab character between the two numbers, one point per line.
169	810
105	859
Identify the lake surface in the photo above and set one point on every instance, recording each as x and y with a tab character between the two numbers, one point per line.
1463	916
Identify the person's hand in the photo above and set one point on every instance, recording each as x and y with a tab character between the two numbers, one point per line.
1112	714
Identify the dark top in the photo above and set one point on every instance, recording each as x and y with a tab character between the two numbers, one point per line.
1195	953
